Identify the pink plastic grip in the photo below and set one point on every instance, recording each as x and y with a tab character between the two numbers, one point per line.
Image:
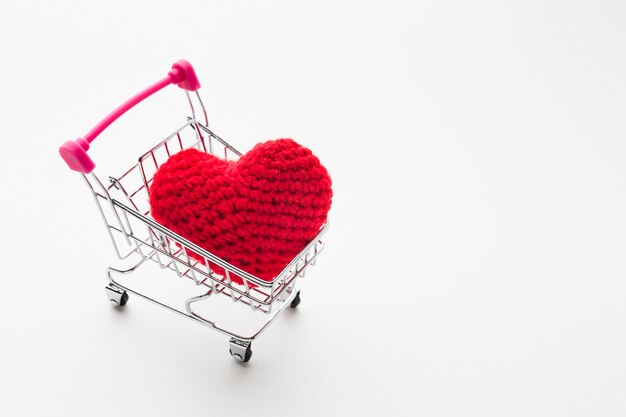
74	153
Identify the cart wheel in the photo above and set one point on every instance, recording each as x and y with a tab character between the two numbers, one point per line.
246	358
241	351
124	299
116	296
296	300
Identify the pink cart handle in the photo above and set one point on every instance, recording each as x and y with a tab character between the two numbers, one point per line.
74	153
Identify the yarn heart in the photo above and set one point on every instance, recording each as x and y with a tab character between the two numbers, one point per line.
256	213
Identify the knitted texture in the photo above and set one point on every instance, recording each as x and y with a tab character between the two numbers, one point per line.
256	213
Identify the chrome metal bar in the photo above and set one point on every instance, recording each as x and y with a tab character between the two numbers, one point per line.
193	111
206	119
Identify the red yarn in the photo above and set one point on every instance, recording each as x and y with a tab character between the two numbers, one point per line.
256	213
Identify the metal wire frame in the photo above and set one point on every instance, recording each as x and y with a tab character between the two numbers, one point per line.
170	251
125	210
192	315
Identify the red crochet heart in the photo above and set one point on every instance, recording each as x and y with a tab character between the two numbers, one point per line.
256	213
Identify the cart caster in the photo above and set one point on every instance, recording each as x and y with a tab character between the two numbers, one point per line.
296	300
116	296
240	350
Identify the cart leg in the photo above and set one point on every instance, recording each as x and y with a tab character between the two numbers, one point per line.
116	296
240	350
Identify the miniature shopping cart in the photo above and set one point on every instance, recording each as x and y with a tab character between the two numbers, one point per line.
124	205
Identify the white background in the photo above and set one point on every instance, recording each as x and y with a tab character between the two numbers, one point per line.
475	259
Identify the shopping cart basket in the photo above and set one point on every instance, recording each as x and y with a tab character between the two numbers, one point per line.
123	203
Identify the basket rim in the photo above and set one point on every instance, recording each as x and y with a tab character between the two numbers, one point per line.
216	259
